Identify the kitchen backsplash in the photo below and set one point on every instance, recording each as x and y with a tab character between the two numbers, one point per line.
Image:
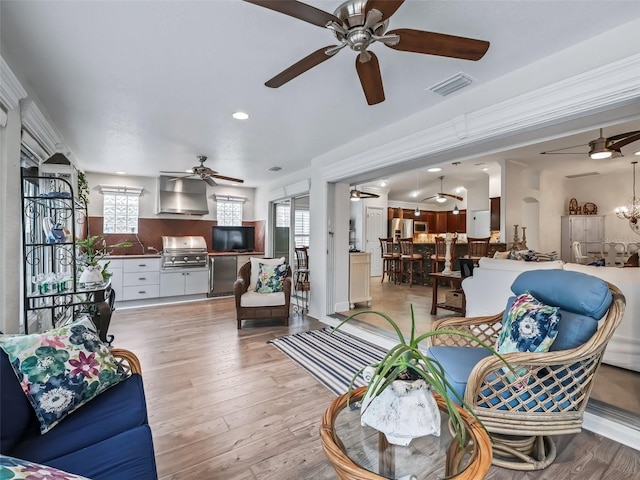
151	230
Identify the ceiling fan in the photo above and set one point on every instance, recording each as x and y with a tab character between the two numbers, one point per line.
205	173
601	147
355	195
441	196
359	23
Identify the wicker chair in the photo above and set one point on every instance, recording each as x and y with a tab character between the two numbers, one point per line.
274	306
521	415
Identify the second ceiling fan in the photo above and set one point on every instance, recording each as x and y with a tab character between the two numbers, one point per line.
359	23
602	147
441	196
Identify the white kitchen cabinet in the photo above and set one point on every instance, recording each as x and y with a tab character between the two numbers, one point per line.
359	278
586	229
140	278
192	282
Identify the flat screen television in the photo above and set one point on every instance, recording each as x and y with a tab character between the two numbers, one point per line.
232	239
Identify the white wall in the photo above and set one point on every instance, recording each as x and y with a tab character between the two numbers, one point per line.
148	199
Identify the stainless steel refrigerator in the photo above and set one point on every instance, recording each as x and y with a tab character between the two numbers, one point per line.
401	228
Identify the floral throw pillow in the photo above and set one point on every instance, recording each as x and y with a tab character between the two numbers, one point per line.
528	326
16	469
62	369
271	278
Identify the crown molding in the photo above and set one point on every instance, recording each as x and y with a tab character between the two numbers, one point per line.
11	91
38	126
606	87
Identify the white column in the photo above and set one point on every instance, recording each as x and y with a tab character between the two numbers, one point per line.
447	255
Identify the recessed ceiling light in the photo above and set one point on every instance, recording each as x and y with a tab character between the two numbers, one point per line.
121	173
240	115
637	153
485	169
434	169
383	183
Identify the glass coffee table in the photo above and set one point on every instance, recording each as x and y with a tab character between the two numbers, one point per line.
363	453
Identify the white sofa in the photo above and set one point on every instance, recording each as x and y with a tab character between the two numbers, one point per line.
487	291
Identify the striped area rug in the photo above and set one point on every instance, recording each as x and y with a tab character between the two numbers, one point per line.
331	359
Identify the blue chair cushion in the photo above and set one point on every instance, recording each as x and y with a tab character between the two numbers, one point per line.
128	455
572	291
457	363
573	330
526	400
116	410
16	411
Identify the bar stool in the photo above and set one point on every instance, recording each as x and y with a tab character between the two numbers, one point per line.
441	250
413	259
302	284
390	259
477	248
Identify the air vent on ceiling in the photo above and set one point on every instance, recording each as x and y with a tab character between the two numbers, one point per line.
578	175
452	84
275	169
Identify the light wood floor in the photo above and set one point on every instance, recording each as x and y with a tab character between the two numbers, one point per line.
225	405
614	386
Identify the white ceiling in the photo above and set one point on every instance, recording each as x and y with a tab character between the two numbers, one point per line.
145	86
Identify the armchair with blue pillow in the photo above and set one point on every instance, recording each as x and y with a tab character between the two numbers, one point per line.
72	407
553	332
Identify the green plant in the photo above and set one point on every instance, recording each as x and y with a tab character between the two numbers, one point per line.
95	248
83	189
406	361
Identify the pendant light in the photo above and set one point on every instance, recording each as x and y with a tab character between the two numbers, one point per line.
455	210
417	212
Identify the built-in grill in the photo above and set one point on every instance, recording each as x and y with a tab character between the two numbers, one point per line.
181	252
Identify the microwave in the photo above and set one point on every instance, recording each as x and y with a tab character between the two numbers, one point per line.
420	227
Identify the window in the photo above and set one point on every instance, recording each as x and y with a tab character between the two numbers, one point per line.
120	209
283	214
229	210
301	230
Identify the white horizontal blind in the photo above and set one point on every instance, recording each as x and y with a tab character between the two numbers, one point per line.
301	228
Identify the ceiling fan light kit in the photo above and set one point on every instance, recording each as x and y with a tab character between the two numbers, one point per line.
205	174
359	23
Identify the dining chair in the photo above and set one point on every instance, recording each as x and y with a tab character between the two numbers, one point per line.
414	260
390	259
477	248
578	256
439	257
615	254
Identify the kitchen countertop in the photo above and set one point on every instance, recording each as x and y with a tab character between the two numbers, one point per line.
133	255
233	254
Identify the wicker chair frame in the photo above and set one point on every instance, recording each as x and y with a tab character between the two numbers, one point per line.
551	403
478	445
127	360
260	313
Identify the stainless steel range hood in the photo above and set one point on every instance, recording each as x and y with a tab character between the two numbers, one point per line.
186	196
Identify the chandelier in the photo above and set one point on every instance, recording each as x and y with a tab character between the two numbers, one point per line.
631	212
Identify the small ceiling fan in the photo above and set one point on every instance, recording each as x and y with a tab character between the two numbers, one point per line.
355	195
442	196
601	147
359	23
205	173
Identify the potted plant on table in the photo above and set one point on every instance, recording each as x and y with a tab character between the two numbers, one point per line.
398	399
93	249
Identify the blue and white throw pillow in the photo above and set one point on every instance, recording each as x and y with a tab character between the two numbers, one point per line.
528	326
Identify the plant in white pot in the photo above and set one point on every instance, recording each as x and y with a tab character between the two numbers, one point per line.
93	249
398	399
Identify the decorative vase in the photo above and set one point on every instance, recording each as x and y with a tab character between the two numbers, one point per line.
403	411
91	275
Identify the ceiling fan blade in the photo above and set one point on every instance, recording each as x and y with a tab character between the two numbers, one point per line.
623	135
633	137
300	67
369	195
229	179
177	173
370	79
298	10
442	194
385	7
432	43
209	181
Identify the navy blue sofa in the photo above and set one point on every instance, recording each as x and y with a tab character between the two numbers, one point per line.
108	438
